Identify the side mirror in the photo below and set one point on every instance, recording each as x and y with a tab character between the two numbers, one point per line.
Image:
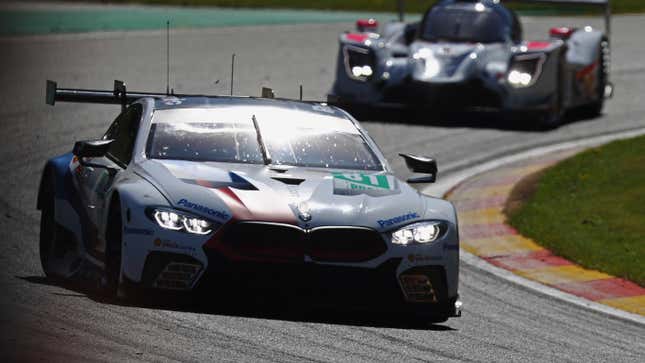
422	165
91	148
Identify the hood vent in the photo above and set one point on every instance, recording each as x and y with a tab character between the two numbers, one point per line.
289	181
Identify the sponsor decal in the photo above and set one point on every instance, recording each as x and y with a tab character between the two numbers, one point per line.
172	245
204	209
172	101
359	183
141	231
397	220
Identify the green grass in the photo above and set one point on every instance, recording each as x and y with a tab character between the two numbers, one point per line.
412	6
591	209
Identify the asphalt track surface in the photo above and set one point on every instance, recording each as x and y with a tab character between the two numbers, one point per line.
40	320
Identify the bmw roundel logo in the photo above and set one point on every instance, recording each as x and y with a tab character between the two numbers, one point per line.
304	213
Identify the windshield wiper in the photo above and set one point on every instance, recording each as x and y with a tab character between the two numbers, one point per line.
263	149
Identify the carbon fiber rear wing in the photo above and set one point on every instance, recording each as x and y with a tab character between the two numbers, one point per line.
118	96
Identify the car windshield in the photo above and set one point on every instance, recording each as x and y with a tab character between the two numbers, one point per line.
463	25
290	137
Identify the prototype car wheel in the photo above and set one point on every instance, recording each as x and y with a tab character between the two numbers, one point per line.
595	108
552	118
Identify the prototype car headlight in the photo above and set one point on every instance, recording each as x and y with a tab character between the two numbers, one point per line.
359	63
422	232
177	221
525	70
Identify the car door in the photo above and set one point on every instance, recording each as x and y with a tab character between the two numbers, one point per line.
95	183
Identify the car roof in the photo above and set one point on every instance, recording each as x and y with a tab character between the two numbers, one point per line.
178	102
469	5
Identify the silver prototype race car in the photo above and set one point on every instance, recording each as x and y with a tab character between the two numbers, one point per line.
470	54
203	193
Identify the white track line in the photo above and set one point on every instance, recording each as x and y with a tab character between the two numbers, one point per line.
447	183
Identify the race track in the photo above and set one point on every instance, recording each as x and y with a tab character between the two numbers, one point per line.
44	321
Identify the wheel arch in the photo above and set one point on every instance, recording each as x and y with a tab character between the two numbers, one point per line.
58	169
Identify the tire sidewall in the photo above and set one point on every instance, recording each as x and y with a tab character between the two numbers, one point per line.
48	228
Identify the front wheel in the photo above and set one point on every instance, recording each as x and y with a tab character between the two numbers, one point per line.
552	118
595	108
57	248
48	234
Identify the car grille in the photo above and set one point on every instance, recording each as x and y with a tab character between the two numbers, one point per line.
265	241
282	242
344	244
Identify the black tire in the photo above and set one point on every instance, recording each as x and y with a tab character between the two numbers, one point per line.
48	228
552	118
56	243
113	240
595	108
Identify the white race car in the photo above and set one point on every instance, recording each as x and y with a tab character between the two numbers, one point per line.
203	193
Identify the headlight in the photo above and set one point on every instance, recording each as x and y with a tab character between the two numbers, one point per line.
177	221
423	232
359	63
525	70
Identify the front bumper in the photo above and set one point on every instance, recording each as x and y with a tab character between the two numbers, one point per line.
365	288
472	95
415	279
420	290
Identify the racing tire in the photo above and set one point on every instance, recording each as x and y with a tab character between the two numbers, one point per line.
54	243
552	118
595	108
48	229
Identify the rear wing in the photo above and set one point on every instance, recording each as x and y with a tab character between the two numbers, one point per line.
604	4
117	96
400	6
120	96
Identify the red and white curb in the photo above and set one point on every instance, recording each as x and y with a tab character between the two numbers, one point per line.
491	245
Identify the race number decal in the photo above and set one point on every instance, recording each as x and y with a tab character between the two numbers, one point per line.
359	183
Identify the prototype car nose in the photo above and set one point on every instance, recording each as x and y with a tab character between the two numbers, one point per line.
444	64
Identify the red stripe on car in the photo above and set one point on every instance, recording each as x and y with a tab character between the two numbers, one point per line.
538	45
586	70
356	37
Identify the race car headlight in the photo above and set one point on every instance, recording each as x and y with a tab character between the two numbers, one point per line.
525	70
359	63
176	221
423	232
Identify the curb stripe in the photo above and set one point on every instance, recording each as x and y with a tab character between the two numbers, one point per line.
480	202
